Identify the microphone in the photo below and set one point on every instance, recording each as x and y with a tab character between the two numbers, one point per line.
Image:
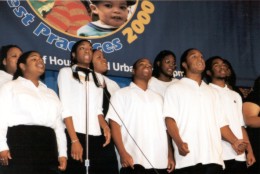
76	68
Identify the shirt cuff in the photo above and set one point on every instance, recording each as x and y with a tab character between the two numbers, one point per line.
63	153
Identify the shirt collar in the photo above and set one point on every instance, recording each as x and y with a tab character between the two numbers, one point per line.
133	85
6	74
219	87
193	82
29	82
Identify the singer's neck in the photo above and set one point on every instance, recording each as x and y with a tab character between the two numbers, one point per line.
83	65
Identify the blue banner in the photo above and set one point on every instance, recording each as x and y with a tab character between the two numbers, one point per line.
230	29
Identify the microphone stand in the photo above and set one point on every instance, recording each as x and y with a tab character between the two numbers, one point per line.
87	161
86	71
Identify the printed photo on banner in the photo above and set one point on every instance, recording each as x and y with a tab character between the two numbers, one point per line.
85	18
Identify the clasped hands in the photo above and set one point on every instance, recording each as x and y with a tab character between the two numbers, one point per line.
240	146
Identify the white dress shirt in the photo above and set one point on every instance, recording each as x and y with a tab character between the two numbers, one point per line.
232	107
196	110
160	86
141	113
112	86
22	103
5	77
74	95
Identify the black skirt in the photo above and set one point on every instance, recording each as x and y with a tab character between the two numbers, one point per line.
102	160
33	150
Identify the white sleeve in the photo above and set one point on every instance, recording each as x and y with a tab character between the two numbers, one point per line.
100	102
220	110
171	103
64	86
112	86
239	109
60	134
99	96
116	110
5	113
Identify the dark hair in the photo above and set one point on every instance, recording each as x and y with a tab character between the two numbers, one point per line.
254	95
86	4
256	86
135	64
74	61
3	54
159	58
184	58
74	49
91	66
22	59
231	80
128	2
209	67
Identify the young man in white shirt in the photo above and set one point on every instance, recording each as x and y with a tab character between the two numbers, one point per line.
163	67
137	124
216	71
195	122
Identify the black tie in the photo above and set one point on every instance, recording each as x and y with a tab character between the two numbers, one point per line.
106	98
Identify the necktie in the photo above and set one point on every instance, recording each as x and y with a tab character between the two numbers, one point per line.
106	98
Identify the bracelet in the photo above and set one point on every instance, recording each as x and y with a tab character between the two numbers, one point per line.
74	141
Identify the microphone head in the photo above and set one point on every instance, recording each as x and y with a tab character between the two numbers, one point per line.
90	70
74	68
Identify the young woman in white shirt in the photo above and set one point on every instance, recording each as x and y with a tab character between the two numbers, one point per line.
81	96
9	55
99	65
32	138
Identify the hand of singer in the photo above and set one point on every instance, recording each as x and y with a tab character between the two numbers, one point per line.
240	146
107	135
183	149
76	151
4	157
63	163
127	160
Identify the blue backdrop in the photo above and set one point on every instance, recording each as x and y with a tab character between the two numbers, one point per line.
230	29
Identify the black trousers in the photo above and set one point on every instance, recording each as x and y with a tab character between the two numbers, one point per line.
233	166
254	136
139	169
33	150
201	169
102	159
